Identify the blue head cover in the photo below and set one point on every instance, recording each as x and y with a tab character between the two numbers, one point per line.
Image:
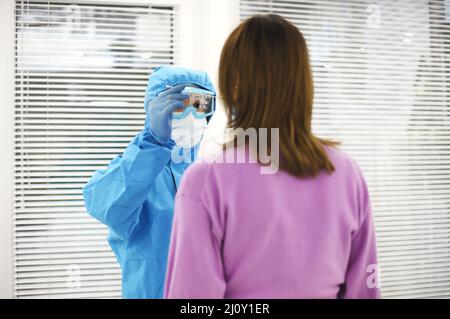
165	76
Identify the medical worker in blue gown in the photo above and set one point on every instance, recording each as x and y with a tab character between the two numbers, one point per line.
134	196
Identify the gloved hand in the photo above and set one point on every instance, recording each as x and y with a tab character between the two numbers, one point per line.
159	113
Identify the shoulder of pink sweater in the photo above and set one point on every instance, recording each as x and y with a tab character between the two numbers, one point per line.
342	160
195	175
351	171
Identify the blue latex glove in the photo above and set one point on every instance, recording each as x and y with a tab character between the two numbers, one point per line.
159	114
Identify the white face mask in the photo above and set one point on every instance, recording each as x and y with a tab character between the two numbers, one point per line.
187	132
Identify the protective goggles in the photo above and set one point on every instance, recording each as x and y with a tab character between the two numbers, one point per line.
201	103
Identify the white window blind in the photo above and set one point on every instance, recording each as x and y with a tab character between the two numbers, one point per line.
382	81
81	72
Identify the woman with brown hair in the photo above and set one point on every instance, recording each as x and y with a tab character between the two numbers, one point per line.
305	231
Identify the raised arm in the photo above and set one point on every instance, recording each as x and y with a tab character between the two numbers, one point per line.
115	195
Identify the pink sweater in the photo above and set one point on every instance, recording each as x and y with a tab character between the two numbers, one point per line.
241	234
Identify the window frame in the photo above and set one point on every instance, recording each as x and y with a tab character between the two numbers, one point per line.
7	158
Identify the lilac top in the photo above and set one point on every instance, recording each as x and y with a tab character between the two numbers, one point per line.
238	233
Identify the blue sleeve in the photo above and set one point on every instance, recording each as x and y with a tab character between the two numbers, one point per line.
115	196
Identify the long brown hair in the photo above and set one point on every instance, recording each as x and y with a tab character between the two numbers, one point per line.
265	81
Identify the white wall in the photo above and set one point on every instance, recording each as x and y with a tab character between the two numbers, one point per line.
7	145
220	18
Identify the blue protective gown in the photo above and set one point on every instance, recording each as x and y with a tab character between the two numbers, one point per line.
135	195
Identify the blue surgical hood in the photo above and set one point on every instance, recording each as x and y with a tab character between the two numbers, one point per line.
167	76
134	197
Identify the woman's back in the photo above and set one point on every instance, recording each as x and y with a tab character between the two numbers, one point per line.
242	234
